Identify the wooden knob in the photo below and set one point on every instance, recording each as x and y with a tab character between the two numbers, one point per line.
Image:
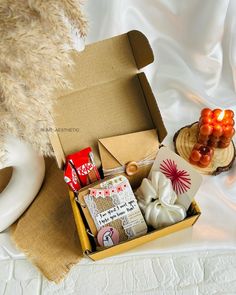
131	168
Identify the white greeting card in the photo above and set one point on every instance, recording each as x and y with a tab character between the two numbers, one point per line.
185	179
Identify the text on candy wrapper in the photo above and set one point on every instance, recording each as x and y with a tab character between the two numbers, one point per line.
116	212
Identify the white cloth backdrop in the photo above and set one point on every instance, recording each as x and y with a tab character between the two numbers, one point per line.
194	44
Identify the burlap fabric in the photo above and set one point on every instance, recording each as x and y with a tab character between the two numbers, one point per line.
46	232
5	175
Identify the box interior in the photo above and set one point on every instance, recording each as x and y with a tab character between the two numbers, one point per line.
108	97
88	245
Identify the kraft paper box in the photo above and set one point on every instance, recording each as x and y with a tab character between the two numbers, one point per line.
109	96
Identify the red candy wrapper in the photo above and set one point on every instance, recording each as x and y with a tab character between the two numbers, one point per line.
82	163
71	179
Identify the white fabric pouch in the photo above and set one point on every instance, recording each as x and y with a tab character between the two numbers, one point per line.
157	200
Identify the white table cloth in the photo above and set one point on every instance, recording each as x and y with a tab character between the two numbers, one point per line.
194	44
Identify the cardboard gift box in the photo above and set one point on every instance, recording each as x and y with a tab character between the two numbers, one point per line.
109	96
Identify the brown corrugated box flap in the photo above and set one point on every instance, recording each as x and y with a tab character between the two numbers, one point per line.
107	97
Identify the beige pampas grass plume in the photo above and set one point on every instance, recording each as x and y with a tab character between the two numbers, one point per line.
34	41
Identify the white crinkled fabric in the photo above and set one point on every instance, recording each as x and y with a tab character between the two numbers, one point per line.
194	44
157	200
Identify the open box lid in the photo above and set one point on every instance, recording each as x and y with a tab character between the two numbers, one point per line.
108	97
